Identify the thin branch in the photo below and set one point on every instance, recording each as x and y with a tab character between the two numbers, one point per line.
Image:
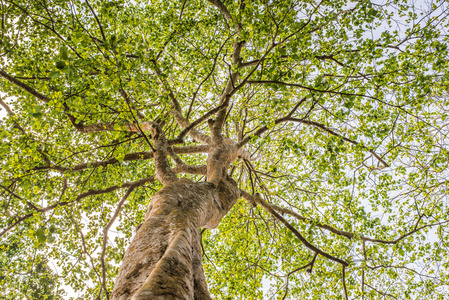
176	110
398	239
400	107
205	79
379	292
226	14
225	97
6	107
109	126
17	125
142	155
31	205
265	128
24	86
182	9
283	210
139	128
183	133
83	241
51	28
105	237
343	278
174	102
79	197
299	269
321	126
257	199
79	126
343	233
98	21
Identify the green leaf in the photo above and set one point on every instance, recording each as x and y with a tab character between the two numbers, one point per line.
54	74
63	55
70	74
349	104
374	166
60	65
37	115
40	235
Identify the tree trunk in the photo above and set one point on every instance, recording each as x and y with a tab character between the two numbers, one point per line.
163	260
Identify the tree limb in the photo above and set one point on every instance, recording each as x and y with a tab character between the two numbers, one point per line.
311	263
225	97
98	21
79	197
226	14
105	237
142	155
265	128
17	125
283	210
347	234
205	79
24	86
400	107
109	126
257	199
176	110
163	171
6	107
321	126
183	133
80	127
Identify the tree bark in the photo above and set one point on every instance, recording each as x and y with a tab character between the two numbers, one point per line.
163	260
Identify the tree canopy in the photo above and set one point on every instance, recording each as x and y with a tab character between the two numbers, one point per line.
339	107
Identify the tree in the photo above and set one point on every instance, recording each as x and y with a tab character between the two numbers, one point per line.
313	134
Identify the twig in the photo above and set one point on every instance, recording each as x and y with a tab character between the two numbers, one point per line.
343	278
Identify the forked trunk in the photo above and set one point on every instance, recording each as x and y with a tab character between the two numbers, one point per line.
163	260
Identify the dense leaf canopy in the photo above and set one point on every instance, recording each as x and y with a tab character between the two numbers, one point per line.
340	106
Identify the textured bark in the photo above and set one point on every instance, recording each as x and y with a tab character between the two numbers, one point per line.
163	260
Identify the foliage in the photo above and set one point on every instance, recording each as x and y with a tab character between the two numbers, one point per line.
26	276
362	161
